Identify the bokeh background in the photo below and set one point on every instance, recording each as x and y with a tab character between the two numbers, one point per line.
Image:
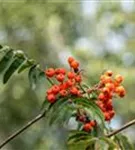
100	34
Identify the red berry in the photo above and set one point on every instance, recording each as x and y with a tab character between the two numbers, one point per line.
82	118
70	75
105	90
55	89
70	82
101	96
49	91
78	78
60	77
60	71
109	105
107	116
63	86
50	72
63	93
87	127
74	91
51	98
93	123
112	113
79	93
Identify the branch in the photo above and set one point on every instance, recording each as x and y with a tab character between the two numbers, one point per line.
30	123
122	128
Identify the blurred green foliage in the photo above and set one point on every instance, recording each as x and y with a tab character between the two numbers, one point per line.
49	32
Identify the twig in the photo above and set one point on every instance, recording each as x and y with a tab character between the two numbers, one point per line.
18	132
122	128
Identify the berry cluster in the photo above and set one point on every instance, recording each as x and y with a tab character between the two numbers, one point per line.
88	124
109	87
67	81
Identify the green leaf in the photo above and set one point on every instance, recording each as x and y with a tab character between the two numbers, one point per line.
92	109
34	75
111	144
123	142
12	68
60	112
6	60
76	136
27	64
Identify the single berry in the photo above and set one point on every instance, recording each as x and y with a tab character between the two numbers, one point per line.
101	96
87	127
55	89
109	73
70	60
50	72
107	116
74	91
120	91
70	75
93	123
60	77
74	64
60	71
63	93
49	91
110	86
78	78
51	98
118	78
70	82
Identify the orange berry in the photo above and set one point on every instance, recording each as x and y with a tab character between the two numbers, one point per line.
78	78
51	98
50	72
63	93
70	60
74	64
105	79
120	91
60	77
116	84
110	86
87	127
109	73
118	78
70	75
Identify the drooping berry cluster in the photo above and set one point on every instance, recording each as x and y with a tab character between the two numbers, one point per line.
67	81
109	87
